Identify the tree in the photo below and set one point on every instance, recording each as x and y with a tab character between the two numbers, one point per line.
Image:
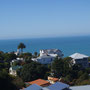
9	57
18	82
60	67
6	81
21	46
25	55
33	71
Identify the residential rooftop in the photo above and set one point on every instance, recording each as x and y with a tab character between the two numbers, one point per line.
85	87
78	56
40	82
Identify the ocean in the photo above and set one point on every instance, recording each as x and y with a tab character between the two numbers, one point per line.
68	45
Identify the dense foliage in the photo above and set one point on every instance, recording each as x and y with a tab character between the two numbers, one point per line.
32	71
60	68
10	83
73	75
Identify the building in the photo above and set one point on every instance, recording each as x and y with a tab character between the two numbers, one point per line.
48	55
56	86
40	82
52	80
45	59
17	52
81	59
13	70
84	87
51	52
33	87
16	60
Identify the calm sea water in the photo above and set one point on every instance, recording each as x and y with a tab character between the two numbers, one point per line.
68	45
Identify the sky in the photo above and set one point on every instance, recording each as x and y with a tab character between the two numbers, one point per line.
44	18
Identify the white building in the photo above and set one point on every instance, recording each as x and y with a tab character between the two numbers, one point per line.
51	52
81	59
48	55
16	60
45	59
13	70
17	52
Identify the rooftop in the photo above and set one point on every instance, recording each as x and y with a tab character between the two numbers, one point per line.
53	79
78	56
58	86
33	87
85	87
40	82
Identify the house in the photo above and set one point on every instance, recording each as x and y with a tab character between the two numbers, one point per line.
51	52
33	87
81	59
52	80
17	52
40	82
13	70
16	60
48	55
84	87
56	86
45	59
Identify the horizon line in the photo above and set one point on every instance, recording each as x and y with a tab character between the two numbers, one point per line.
45	37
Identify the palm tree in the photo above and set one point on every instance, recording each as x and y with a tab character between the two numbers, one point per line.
21	46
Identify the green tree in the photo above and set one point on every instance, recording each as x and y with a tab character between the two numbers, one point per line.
60	67
6	81
18	82
21	46
33	71
25	55
9	57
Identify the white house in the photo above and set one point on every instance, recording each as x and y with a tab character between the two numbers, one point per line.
78	58
16	60
48	55
51	52
45	59
13	70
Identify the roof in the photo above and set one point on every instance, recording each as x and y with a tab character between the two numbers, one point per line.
50	50
78	56
53	79
58	86
85	87
40	82
33	87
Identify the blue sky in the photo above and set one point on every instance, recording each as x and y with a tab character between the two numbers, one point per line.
44	18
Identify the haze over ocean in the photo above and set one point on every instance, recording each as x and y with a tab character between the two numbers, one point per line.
68	45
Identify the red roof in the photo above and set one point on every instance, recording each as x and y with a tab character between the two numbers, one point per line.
53	79
40	82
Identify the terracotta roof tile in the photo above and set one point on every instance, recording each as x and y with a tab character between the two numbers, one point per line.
40	82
